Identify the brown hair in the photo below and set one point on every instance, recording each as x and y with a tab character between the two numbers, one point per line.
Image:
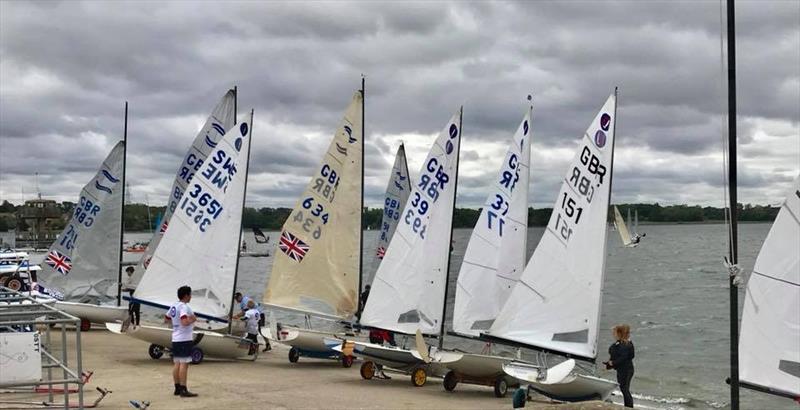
622	332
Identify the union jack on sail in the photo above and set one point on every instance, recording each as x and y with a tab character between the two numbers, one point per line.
381	252
163	227
58	261
292	246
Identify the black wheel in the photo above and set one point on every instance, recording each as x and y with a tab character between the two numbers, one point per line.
294	355
419	376
367	370
347	361
14	284
155	351
85	325
500	387
450	381
197	355
3	280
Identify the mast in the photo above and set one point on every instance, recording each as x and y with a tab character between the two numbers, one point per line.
450	238
122	216
241	223
361	210
733	238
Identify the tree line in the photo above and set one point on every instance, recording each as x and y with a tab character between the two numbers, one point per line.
138	219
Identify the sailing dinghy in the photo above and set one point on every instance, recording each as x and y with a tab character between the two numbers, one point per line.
769	344
317	268
200	249
622	228
555	305
493	262
408	291
81	268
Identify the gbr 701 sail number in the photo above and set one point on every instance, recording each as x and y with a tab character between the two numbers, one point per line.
568	212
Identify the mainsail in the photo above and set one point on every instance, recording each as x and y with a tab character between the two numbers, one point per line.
769	345
396	197
556	303
83	263
221	119
496	253
317	267
200	247
622	228
408	290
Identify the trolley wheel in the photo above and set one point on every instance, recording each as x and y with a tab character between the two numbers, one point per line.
294	355
347	361
450	381
367	370
14	284
85	325
3	280
155	351
197	355
500	387
419	376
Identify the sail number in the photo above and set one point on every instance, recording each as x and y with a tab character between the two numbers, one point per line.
431	183
85	212
201	207
391	210
69	238
499	205
325	185
584	178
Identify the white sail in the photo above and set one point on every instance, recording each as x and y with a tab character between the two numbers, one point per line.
397	192
201	245
220	120
83	263
408	290
556	303
769	345
316	267
496	253
619	223
635	221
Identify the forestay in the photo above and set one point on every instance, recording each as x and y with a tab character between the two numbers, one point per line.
495	256
396	196
769	345
316	268
83	263
201	245
619	223
556	303
408	290
220	120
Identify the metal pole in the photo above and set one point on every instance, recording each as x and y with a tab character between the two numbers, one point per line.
733	248
450	240
122	215
241	224
79	360
361	210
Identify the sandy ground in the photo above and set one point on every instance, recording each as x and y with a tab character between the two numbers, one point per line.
121	364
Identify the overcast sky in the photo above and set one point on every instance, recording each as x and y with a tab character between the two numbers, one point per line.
66	69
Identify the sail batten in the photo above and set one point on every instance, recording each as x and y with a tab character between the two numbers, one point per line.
409	287
318	261
555	305
495	255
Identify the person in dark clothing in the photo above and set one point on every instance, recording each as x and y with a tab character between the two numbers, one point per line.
362	302
621	359
134	309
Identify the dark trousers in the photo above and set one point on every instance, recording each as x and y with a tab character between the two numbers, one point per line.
133	312
253	338
624	377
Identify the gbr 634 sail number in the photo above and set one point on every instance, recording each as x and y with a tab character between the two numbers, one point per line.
577	193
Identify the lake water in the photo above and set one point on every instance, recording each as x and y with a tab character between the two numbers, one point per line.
672	290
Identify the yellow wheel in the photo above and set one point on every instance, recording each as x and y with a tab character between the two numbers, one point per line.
419	376
367	370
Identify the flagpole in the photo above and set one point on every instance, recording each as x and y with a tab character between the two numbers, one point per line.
122	216
450	240
241	224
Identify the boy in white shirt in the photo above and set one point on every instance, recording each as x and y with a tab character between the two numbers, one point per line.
251	318
182	319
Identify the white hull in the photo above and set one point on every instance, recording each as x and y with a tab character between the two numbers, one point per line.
310	340
562	383
212	344
94	313
403	360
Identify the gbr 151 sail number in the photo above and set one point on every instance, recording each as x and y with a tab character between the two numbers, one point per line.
578	184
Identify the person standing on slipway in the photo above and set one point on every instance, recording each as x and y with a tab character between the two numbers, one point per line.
182	319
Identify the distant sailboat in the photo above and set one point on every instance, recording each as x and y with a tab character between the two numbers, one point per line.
83	263
555	305
222	118
622	228
317	266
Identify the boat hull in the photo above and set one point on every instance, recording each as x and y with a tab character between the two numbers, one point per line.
311	343
402	360
562	382
212	344
94	313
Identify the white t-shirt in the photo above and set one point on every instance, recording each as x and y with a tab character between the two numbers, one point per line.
180	333
251	318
